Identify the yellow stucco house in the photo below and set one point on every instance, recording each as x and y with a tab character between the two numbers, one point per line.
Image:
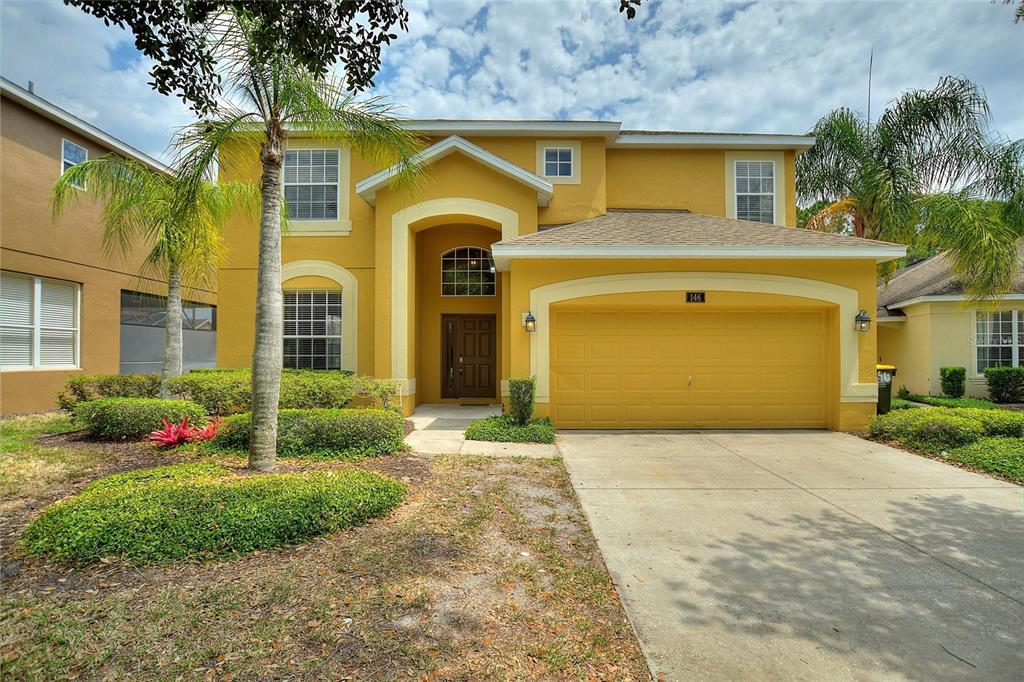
647	279
927	321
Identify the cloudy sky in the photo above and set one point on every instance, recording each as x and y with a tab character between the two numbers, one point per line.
755	66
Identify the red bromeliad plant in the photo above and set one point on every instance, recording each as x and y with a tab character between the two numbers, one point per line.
178	434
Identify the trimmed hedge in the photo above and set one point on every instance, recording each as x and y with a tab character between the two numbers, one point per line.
225	391
1001	456
85	387
505	429
937	428
123	418
1005	384
203	510
328	434
521	398
954	381
940	401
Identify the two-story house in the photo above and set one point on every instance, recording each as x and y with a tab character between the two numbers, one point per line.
66	306
647	279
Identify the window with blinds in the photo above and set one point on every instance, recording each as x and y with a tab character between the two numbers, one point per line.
311	183
39	322
312	329
755	191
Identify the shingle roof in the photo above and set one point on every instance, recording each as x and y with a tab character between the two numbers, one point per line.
931	277
632	228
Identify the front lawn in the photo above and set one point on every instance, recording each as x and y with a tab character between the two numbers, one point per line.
504	429
1001	456
487	571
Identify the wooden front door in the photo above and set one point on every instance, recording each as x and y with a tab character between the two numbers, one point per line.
468	362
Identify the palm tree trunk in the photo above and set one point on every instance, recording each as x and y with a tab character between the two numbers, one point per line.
172	330
266	352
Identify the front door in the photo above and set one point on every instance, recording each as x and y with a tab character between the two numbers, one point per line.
468	366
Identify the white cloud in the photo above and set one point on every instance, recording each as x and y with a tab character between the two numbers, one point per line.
766	66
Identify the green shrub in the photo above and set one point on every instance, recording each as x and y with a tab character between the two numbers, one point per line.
84	387
201	511
521	396
954	381
997	422
382	393
944	432
903	393
1002	456
121	418
1005	384
900	404
224	391
332	434
504	429
940	401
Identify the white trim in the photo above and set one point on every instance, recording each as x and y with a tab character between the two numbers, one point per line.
712	140
950	297
778	159
541	299
64	160
368	187
342	226
400	222
36	326
349	302
890	320
507	128
72	122
504	253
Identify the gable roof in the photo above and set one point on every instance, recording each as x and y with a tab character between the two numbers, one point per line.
933	279
635	233
87	130
368	187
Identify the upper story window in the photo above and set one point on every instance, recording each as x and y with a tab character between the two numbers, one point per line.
311	183
467	271
558	162
39	321
71	154
755	191
999	339
312	329
149	310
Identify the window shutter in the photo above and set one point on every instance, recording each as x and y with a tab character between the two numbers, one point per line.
57	324
16	295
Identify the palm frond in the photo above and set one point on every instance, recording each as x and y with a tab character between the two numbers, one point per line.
827	170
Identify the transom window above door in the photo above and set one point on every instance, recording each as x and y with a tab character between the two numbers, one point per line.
311	183
467	271
755	191
999	339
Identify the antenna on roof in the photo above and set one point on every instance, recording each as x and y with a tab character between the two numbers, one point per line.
871	64
32	87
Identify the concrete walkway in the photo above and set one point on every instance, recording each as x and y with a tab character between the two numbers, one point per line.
440	430
805	555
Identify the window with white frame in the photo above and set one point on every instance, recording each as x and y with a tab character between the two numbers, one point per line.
999	339
312	329
558	162
71	154
39	322
467	271
311	183
755	191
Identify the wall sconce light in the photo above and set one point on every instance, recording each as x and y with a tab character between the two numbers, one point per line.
862	322
530	323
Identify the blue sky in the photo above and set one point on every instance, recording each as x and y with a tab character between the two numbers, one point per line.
755	66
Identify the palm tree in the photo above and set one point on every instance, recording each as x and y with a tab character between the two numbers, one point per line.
927	174
141	206
265	100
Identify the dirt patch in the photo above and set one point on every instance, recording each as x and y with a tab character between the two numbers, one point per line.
487	571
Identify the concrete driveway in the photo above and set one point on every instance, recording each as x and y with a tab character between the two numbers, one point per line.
805	555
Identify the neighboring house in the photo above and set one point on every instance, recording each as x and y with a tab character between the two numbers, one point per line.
927	321
659	272
65	306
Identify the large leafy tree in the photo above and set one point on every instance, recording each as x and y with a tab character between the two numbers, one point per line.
268	98
928	173
141	206
314	33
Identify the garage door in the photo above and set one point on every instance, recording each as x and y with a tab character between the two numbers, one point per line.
673	368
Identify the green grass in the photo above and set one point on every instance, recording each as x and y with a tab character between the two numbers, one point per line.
1001	456
942	401
27	463
502	429
203	510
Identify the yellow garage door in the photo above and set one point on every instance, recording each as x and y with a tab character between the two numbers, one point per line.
670	368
